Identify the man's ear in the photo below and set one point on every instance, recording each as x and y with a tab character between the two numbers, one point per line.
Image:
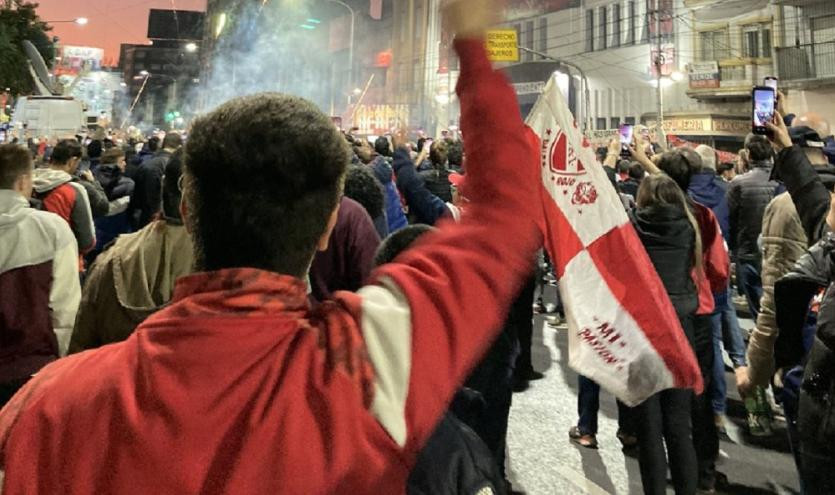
324	241
184	214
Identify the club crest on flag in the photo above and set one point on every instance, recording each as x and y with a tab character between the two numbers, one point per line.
566	167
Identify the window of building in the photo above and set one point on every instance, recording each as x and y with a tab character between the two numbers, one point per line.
631	23
629	120
714	45
601	123
528	41
616	25
603	28
543	34
590	30
614	122
756	40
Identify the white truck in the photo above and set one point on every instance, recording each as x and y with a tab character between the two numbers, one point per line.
48	116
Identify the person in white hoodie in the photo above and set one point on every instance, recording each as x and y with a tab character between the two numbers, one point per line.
39	279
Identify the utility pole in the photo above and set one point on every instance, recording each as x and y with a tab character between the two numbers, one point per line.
659	63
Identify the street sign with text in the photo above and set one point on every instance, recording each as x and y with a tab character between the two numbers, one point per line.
502	45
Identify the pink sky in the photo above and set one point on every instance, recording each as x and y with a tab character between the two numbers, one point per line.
112	22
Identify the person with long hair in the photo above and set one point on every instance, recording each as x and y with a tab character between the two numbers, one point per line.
670	235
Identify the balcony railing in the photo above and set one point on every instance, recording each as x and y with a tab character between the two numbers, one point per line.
812	61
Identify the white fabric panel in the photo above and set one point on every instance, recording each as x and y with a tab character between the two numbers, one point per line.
387	330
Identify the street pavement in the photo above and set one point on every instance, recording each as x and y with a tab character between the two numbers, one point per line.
542	460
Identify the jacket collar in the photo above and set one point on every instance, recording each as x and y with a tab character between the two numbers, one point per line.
761	164
241	290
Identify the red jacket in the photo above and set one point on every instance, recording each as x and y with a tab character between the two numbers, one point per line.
716	265
239	386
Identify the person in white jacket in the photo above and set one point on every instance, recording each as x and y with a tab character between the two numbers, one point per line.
39	279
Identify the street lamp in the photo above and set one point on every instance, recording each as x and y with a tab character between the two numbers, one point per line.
351	41
582	76
191	47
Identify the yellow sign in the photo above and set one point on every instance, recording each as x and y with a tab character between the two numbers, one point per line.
502	45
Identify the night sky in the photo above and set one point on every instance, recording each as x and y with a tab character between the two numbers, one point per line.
112	22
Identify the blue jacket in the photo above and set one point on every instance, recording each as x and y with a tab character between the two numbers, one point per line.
394	210
426	207
710	190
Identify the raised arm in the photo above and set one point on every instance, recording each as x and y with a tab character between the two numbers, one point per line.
432	313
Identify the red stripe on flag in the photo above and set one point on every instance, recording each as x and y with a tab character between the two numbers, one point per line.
649	309
561	241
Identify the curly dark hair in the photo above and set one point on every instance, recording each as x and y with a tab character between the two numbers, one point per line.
398	242
263	174
365	189
455	154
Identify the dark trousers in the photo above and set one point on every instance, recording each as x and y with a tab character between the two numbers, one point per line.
705	433
521	316
588	405
494	380
751	284
665	419
8	389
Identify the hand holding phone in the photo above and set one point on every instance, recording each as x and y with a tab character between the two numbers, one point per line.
764	103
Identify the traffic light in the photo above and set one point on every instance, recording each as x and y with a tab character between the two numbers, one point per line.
169	117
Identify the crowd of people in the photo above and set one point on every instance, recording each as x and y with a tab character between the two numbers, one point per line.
269	304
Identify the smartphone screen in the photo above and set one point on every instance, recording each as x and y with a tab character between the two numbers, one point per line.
771	82
763	108
625	132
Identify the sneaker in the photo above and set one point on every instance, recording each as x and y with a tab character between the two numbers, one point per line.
539	307
588	441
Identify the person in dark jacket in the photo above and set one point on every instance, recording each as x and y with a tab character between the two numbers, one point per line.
119	189
708	189
149	149
395	217
67	154
669	233
424	206
815	415
146	201
437	179
454	461
363	187
635	174
111	175
748	195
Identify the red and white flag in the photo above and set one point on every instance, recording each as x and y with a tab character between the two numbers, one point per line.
623	331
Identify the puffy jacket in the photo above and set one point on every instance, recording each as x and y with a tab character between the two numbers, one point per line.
39	285
129	281
783	243
813	272
709	189
67	199
437	182
748	195
810	196
114	182
669	239
394	210
454	462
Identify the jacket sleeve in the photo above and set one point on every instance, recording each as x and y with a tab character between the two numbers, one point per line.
427	207
716	261
65	292
84	334
98	199
432	313
806	189
733	216
364	242
82	220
